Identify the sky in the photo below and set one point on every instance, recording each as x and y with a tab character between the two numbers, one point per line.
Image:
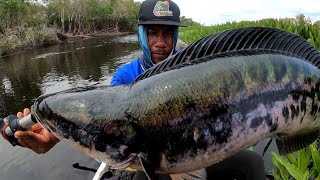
211	12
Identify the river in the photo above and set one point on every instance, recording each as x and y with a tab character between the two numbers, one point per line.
27	75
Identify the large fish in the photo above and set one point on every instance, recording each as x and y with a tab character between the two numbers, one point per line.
215	98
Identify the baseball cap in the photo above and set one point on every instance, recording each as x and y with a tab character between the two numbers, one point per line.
159	12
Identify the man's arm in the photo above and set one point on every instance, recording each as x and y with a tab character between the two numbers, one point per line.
126	73
117	78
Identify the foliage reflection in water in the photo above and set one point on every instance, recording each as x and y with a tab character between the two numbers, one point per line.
28	75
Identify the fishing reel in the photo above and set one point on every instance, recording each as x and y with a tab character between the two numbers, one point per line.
10	124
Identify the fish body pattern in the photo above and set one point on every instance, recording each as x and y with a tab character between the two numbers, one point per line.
219	96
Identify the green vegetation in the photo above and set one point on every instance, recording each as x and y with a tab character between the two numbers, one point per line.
72	16
303	165
188	21
31	23
300	26
91	15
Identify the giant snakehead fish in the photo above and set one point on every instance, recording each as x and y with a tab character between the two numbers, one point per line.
218	96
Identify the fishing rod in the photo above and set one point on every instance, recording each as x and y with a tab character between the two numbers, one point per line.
10	124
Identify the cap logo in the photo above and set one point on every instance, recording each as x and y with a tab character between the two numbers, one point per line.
162	9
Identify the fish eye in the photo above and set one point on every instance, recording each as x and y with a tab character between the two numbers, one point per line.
112	128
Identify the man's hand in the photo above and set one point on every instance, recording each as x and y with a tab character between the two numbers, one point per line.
35	138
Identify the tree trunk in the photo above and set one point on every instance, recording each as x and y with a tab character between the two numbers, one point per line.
117	26
62	19
70	17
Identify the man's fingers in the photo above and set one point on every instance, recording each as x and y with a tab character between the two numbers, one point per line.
30	140
39	143
22	134
26	111
35	137
24	143
37	128
29	143
19	114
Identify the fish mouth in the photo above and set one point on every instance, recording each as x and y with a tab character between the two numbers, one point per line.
126	163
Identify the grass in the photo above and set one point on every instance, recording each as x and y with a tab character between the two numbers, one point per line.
307	30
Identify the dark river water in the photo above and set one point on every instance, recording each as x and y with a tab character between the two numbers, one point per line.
33	73
42	71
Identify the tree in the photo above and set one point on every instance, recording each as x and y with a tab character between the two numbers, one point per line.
10	13
188	21
302	19
317	24
125	13
35	14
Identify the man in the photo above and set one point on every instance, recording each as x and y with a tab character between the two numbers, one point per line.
157	28
158	24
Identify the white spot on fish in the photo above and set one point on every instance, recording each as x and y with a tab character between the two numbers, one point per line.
260	111
237	119
207	136
81	104
218	126
196	134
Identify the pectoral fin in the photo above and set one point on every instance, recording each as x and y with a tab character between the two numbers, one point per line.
289	144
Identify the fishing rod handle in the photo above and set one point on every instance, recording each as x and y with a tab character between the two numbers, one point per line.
16	124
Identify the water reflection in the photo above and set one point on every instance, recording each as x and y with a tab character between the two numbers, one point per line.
28	75
79	63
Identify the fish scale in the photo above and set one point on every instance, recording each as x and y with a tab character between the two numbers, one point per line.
217	97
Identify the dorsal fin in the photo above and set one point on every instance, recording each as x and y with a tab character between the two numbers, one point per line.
237	40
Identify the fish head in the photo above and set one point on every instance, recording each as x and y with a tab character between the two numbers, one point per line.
114	141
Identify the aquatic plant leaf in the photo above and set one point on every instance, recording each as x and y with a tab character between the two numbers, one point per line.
312	174
315	158
293	171
292	159
280	168
305	159
275	175
306	175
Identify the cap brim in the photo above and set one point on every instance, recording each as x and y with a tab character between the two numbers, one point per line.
161	23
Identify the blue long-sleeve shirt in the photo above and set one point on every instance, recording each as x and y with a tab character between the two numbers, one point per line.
126	73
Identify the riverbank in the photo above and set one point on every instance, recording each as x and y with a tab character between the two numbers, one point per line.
20	39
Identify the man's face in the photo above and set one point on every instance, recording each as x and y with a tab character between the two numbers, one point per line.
160	41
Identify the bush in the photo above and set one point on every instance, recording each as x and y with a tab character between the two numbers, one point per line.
303	165
19	39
